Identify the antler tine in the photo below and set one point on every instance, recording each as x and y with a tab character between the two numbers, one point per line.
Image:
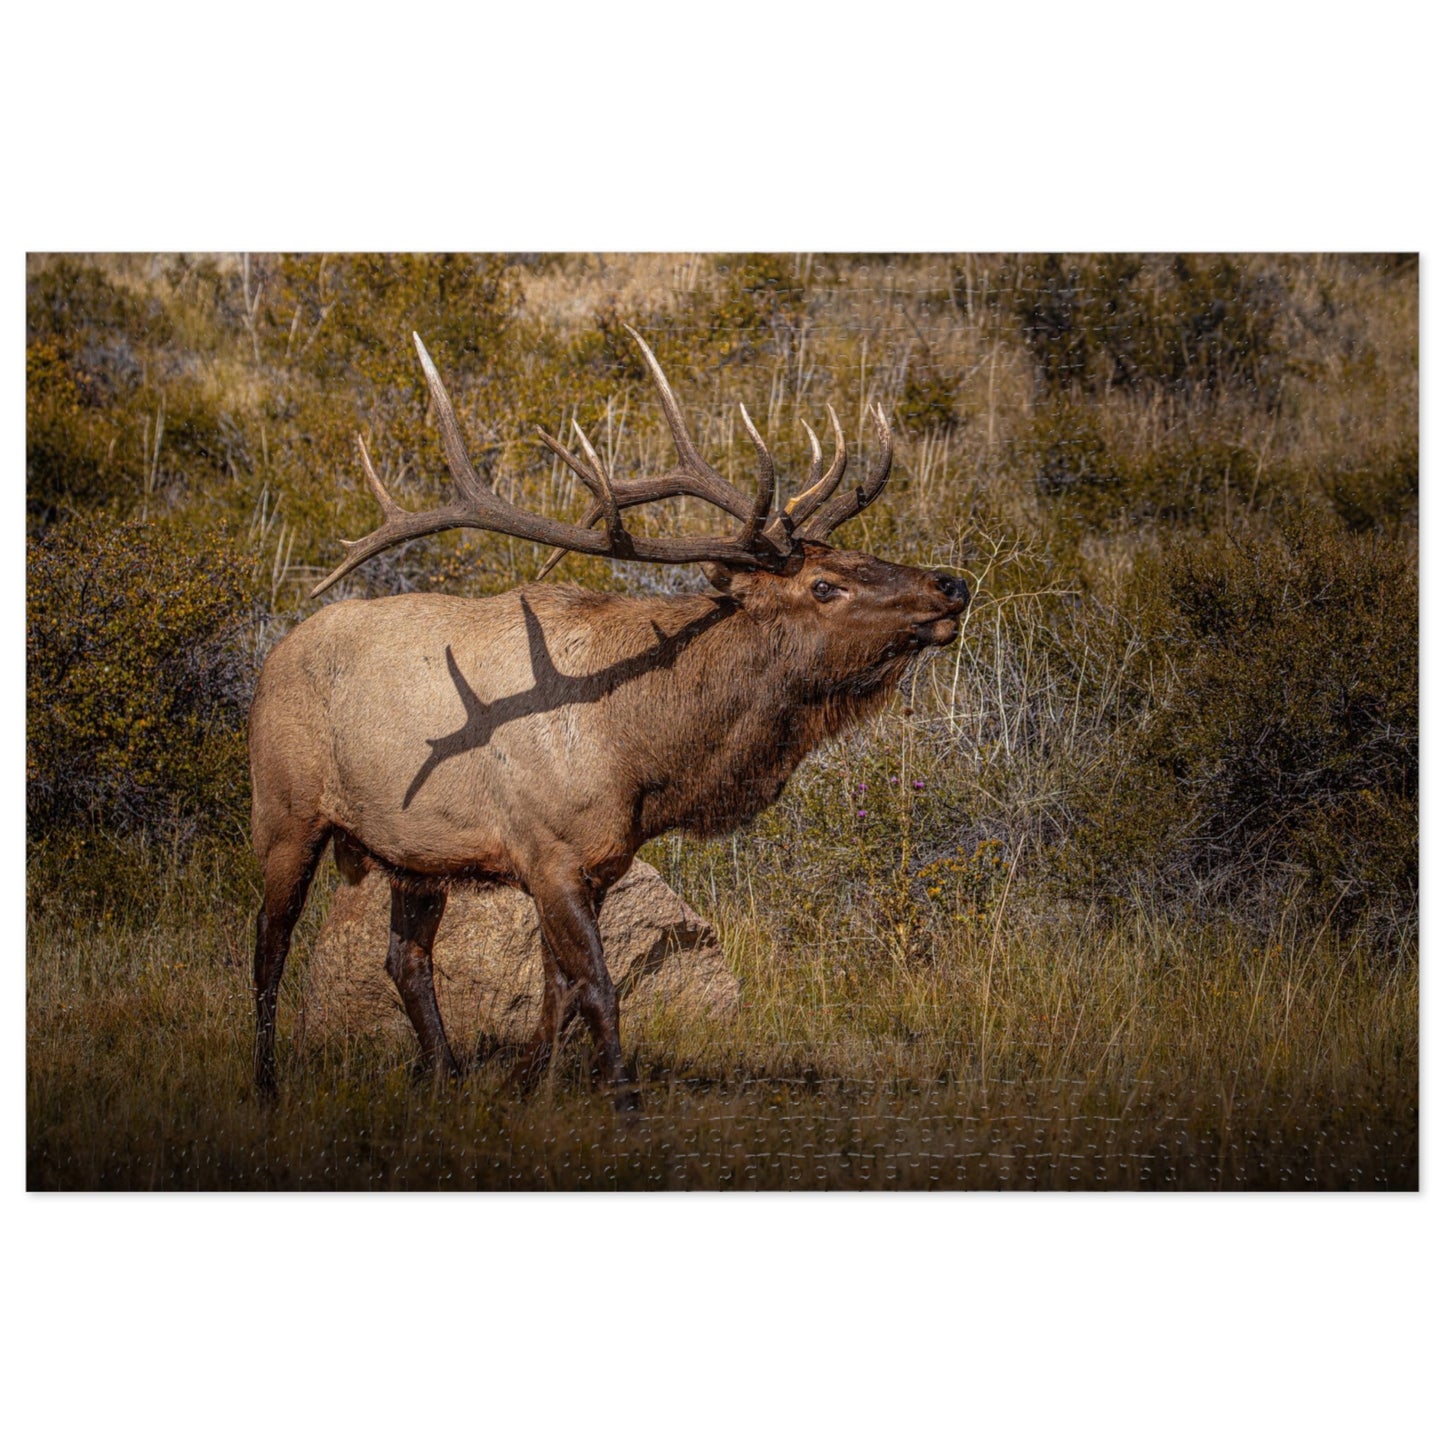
558	553
388	506
632	493
815	467
395	528
763	498
848	504
820	488
622	495
605	498
670	409
694	477
815	491
705	481
468	483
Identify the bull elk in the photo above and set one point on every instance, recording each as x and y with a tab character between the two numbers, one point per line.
538	738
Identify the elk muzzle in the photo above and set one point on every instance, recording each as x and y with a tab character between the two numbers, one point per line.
940	630
954	589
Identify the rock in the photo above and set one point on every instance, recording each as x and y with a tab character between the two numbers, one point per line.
487	961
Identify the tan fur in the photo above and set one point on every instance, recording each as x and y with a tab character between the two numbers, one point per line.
540	737
446	735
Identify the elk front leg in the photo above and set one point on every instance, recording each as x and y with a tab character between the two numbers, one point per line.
287	870
414	919
567	905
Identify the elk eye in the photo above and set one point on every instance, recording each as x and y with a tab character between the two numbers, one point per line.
824	590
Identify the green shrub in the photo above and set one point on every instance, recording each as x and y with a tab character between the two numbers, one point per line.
964	883
70	452
1189	324
1065	452
759	296
81	335
78	306
1097	482
138	675
350	317
117	416
1279	741
1376	493
929	399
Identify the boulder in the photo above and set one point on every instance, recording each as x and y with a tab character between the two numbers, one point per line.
487	961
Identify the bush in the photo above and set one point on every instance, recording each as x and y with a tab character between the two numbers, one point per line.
1377	493
1096	483
115	414
1189	324
80	338
1285	744
69	452
929	398
757	295
138	675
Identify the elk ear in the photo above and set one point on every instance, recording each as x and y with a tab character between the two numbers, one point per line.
726	578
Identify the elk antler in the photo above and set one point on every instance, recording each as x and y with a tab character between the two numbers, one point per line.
819	486
848	504
766	539
692	477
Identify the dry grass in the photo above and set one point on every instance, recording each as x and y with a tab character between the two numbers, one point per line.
977	1030
1015	1053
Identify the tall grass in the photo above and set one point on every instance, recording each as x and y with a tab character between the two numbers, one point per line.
1015	1051
1018	932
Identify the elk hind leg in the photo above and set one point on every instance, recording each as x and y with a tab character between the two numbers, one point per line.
288	867
415	915
559	1008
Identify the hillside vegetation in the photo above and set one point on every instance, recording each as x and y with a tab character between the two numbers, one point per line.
1123	891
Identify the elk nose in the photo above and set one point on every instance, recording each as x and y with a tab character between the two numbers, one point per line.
954	588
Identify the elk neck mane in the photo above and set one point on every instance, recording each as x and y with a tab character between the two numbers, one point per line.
736	699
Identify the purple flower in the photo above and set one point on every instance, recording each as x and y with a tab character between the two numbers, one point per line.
862	812
918	783
894	781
